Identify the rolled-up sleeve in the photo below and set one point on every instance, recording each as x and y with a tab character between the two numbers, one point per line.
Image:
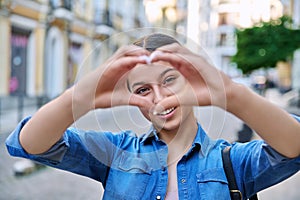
296	117
53	156
258	166
69	154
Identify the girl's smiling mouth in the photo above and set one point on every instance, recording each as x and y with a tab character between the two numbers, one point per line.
165	113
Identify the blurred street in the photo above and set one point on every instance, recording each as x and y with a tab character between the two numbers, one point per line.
52	184
48	45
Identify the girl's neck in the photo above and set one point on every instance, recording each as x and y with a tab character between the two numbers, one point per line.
181	139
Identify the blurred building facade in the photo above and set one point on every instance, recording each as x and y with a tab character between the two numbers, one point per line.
219	19
292	8
21	26
45	42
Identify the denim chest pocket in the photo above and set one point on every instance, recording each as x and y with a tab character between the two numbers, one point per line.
213	184
128	179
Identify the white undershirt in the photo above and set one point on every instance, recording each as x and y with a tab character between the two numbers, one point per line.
172	189
172	195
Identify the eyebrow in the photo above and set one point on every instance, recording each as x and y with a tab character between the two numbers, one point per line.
135	84
166	71
142	82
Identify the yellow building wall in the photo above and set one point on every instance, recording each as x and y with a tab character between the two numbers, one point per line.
40	47
4	55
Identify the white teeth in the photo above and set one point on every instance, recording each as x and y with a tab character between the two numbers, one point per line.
165	112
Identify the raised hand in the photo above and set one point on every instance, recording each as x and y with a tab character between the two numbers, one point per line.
212	87
106	86
208	85
101	88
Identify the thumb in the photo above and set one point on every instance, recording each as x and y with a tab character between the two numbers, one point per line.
182	99
138	101
168	102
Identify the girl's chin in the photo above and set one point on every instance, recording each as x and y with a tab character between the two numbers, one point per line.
167	126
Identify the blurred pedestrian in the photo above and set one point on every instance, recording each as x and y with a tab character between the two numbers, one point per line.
175	159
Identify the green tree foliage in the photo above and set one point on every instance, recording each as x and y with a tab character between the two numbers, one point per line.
265	44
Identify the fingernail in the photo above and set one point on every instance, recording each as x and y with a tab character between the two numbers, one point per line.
145	58
155	53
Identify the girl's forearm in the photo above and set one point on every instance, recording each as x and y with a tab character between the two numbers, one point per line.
273	124
48	124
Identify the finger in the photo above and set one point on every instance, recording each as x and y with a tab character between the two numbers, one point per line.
166	103
186	68
118	67
174	59
138	101
179	100
171	48
131	50
121	96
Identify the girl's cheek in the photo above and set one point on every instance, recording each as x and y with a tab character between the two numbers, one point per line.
146	113
178	86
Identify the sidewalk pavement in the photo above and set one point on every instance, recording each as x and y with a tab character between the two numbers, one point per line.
51	184
45	183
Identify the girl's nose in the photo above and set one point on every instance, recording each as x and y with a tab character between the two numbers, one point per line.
157	94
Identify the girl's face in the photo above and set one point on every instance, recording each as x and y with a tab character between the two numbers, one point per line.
155	82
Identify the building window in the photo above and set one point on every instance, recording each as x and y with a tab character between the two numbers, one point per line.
19	43
227	19
101	13
67	4
74	60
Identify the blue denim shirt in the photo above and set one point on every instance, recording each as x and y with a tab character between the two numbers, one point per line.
135	168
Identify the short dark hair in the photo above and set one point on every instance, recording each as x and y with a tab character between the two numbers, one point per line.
153	41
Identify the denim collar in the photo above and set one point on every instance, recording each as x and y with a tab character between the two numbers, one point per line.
151	134
201	139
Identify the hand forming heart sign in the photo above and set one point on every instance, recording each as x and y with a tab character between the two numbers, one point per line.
165	81
149	59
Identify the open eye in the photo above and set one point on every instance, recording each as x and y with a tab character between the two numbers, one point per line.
143	91
169	80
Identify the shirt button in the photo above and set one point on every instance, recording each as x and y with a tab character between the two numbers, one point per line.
158	197
183	180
